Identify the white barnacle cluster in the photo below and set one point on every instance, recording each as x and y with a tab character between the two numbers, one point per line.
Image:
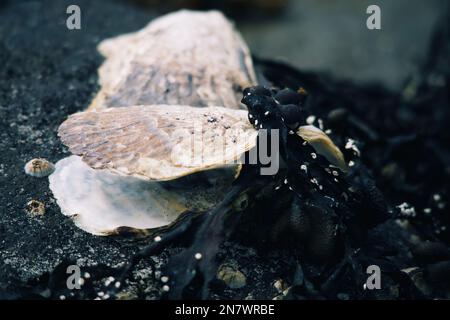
315	182
440	229
35	208
109	280
407	210
438	199
310	119
102	296
351	145
332	171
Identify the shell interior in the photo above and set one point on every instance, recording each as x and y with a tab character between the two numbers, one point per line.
100	202
323	145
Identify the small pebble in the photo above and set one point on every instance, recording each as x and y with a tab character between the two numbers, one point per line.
233	278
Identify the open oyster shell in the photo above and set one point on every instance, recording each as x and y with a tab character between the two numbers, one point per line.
186	58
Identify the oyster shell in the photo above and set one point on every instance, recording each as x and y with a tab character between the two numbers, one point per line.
183	58
101	202
159	142
187	58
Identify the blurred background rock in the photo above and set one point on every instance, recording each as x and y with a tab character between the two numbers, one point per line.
331	36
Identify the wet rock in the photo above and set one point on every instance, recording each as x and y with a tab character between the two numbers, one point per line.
337	117
439	272
280	285
232	277
429	252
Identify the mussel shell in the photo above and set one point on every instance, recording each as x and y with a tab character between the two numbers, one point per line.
257	90
289	96
291	113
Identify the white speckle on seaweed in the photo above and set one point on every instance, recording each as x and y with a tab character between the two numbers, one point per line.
310	119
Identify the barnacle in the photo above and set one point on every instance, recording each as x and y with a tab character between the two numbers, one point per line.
35	208
39	168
